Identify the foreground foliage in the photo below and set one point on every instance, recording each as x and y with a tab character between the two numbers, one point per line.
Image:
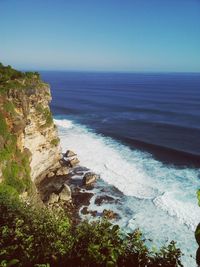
197	233
32	236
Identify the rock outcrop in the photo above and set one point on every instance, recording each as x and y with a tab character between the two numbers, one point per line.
30	152
29	143
65	194
40	134
89	178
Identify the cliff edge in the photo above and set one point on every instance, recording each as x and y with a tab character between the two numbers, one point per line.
29	143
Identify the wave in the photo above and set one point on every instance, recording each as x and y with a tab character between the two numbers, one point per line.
187	213
63	123
165	154
134	173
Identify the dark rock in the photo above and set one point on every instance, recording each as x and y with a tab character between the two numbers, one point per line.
80	169
89	178
104	199
69	153
81	199
85	211
93	213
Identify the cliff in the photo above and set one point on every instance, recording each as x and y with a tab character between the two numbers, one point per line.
29	144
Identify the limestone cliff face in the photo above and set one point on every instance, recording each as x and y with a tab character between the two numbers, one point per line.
29	134
40	134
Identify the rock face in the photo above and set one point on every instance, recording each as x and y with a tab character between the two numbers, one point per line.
89	178
27	119
53	198
39	134
62	171
65	194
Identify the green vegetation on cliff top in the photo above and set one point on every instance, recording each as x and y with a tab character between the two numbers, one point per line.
7	73
11	78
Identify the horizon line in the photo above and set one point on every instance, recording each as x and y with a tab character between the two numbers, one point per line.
110	71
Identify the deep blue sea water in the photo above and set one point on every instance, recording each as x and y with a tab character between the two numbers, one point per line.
141	133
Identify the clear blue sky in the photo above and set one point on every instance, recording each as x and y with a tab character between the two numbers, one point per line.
118	35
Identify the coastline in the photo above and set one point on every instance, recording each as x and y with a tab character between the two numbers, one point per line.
115	164
80	182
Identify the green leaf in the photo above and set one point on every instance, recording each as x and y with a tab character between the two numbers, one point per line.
198	196
197	234
13	262
115	228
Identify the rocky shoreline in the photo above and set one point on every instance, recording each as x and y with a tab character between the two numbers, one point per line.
69	188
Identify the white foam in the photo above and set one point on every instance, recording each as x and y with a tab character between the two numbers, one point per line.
162	199
102	156
63	123
132	172
187	213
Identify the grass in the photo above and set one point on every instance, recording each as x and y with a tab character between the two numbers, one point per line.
46	114
3	126
9	107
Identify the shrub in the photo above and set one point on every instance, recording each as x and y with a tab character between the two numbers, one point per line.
197	233
55	141
46	114
48	117
31	235
35	236
9	107
3	126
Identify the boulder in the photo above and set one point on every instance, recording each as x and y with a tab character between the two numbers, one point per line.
104	199
65	193
110	215
69	153
62	171
53	198
82	199
89	178
73	162
84	211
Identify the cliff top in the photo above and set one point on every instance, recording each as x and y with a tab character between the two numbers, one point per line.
11	78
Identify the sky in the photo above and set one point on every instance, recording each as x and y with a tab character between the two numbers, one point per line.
101	35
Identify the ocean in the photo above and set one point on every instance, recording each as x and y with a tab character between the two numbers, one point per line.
141	133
